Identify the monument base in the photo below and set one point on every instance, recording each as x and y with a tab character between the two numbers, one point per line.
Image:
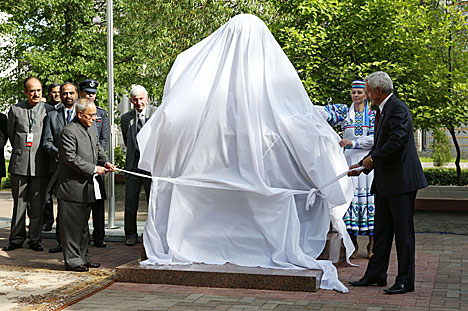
221	276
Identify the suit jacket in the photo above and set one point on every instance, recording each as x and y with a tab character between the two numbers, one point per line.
397	168
129	133
3	140
27	161
79	153
54	123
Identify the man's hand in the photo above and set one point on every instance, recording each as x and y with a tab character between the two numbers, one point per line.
100	170
368	163
354	173
109	166
345	142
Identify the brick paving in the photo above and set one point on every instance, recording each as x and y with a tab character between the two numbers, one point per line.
441	284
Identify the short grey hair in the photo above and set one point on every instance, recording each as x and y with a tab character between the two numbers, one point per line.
137	90
382	79
82	104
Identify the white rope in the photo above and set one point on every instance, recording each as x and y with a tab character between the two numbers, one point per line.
311	194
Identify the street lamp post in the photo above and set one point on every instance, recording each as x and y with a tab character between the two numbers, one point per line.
110	101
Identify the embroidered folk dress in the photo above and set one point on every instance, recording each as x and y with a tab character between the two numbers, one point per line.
359	128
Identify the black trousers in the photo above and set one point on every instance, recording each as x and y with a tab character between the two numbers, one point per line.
133	186
394	217
49	203
98	213
98	220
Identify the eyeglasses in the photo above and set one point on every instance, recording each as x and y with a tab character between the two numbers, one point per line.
89	115
357	92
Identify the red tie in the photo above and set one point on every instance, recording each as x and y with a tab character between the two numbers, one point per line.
377	117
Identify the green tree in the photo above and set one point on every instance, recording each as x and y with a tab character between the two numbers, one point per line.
57	40
440	148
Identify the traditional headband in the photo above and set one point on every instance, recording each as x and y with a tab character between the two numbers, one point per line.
358	84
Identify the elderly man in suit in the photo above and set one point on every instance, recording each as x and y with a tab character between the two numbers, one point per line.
88	89
131	123
81	158
28	166
54	123
397	177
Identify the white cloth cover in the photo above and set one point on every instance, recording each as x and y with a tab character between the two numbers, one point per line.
237	135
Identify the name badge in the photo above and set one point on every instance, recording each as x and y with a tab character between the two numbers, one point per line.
29	140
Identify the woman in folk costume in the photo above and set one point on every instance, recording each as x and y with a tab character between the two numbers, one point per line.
357	125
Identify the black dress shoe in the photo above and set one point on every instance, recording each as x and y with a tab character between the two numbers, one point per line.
36	247
399	289
11	246
47	227
81	268
56	249
131	241
367	281
92	265
100	244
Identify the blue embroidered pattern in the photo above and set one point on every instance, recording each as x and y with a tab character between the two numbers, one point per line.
358	123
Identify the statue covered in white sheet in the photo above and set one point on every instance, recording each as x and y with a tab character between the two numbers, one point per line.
239	145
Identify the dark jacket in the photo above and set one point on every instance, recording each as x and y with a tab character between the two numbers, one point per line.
129	133
397	168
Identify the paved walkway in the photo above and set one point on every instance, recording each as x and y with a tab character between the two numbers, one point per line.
441	282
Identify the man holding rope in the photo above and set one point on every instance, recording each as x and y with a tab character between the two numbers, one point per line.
397	177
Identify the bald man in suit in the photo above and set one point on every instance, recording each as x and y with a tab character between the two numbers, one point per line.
81	159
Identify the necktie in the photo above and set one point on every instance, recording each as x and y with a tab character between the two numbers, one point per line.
377	117
69	114
139	125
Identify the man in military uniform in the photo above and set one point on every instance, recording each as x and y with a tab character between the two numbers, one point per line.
88	89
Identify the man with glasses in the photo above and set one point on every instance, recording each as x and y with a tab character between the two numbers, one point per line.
81	159
88	89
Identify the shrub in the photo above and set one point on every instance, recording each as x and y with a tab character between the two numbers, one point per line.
6	181
119	157
440	147
444	176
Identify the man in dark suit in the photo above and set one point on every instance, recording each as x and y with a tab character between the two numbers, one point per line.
88	89
28	166
54	123
53	93
131	123
397	177
3	141
81	158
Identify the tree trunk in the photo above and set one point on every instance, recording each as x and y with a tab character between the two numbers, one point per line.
451	129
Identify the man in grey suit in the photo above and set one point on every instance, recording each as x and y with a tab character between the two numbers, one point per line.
131	123
54	123
28	166
88	89
81	158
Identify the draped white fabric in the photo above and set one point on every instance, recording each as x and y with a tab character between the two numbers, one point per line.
237	132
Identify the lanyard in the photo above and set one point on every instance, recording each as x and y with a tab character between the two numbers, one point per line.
34	120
